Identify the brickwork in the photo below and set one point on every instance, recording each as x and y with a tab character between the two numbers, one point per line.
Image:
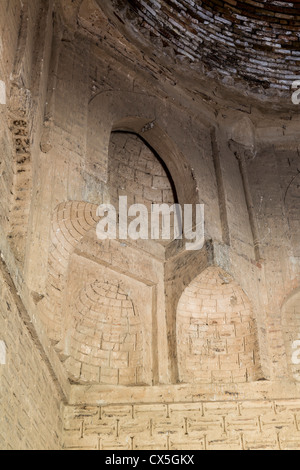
136	172
6	180
125	345
10	17
274	182
21	184
288	169
107	339
257	42
10	14
249	425
17	55
216	334
71	221
29	402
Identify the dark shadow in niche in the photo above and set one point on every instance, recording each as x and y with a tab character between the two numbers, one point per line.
158	157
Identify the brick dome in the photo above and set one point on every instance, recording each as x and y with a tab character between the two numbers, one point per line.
106	341
258	42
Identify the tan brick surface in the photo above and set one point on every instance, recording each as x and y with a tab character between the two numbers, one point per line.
91	117
30	416
224	425
216	332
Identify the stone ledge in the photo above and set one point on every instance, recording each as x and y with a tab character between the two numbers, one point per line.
99	395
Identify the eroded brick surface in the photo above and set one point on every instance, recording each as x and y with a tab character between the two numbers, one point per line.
190	426
29	404
141	344
216	333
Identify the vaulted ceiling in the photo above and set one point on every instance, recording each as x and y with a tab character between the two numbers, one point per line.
252	47
258	41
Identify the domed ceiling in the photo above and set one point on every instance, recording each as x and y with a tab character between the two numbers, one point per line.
257	41
255	44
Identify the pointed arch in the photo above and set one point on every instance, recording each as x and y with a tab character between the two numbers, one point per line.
105	343
216	331
137	113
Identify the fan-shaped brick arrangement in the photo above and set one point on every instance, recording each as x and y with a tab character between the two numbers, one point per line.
71	222
106	339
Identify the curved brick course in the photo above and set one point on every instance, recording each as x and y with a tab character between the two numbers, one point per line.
216	333
106	343
254	41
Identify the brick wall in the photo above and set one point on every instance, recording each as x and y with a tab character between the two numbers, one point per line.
30	415
274	182
107	340
216	332
254	41
10	17
135	172
248	425
108	350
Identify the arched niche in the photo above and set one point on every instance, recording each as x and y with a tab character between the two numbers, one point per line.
139	272
144	175
135	113
216	332
105	339
137	172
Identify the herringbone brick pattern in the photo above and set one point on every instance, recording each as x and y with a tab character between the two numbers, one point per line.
249	425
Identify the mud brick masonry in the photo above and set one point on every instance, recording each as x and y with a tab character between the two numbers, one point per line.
131	345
